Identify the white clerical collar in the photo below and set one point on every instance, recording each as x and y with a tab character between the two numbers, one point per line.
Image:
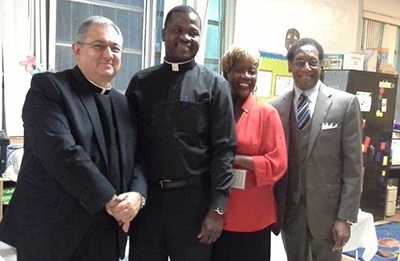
100	89
175	66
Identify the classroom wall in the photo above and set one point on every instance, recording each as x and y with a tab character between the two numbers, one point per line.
264	23
337	25
390	8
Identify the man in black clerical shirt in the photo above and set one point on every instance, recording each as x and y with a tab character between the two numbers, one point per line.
187	137
77	190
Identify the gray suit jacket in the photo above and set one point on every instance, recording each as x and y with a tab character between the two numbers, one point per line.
334	159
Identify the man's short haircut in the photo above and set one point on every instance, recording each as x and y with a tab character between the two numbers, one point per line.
93	20
301	42
183	9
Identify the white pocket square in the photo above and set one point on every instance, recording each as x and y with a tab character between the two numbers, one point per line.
328	126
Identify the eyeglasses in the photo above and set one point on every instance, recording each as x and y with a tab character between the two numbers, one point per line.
101	47
312	64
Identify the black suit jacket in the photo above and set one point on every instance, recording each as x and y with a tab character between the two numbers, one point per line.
59	186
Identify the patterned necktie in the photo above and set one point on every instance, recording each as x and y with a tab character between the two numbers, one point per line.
303	111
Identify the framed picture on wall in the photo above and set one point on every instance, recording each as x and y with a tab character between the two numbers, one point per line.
264	84
283	84
396	151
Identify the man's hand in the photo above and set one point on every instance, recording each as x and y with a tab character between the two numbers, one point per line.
112	203
124	208
211	228
341	234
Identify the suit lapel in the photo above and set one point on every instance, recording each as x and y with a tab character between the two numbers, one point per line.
322	107
285	108
82	89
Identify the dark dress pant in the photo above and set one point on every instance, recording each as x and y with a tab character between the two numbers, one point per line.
101	241
23	256
238	246
169	224
99	244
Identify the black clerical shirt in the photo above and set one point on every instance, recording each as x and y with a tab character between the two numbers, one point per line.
186	124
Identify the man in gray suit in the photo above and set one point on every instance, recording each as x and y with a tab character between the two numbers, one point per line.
321	193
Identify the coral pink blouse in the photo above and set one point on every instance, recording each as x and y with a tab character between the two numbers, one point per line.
259	134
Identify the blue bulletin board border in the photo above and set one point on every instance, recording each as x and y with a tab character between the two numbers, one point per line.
272	56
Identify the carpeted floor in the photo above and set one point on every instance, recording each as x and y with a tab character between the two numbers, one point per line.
388	242
388	236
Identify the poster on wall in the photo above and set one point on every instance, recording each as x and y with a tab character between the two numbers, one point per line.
365	99
283	84
274	75
264	83
395	151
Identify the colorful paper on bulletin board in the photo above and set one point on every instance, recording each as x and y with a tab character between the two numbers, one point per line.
384	105
386	84
365	100
366	144
278	66
378	156
385	161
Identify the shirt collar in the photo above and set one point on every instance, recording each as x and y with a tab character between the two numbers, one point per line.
248	103
180	67
310	93
97	88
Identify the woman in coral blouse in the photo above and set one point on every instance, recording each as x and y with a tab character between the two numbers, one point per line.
260	161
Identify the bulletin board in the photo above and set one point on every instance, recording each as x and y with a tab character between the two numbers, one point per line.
273	76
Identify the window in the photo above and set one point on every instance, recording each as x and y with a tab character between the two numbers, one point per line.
131	17
215	33
215	28
378	34
127	14
159	27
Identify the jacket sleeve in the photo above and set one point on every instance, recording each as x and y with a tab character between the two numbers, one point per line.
271	165
352	162
223	140
53	119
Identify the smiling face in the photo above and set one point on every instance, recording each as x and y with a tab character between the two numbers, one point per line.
242	77
182	36
305	67
99	65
